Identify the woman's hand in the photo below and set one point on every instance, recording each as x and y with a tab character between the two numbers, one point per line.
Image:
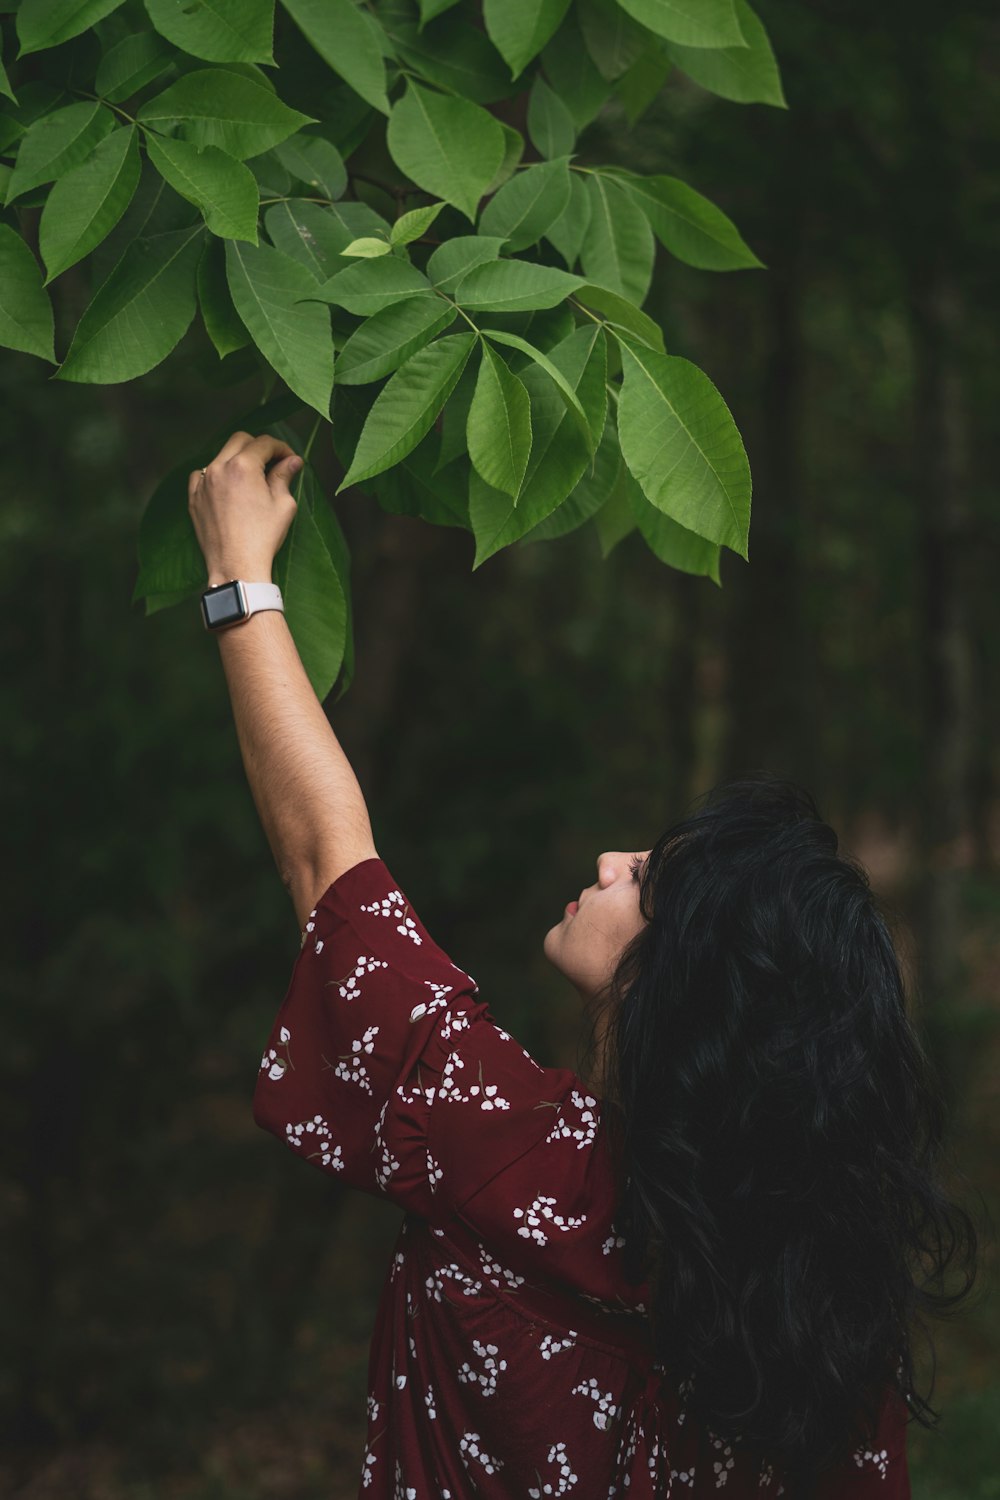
241	514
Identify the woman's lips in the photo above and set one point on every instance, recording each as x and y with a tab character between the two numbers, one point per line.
571	908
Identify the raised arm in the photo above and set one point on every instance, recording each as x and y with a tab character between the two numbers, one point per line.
310	804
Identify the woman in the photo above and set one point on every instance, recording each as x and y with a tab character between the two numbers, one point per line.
696	1270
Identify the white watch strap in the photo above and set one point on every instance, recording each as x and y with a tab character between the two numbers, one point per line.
262	596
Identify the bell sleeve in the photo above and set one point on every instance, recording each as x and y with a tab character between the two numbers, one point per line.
385	1069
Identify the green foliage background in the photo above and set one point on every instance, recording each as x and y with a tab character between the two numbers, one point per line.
152	156
188	1312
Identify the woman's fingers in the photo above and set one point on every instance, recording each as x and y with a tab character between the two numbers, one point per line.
252	450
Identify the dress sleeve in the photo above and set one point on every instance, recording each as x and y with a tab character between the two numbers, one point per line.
384	1068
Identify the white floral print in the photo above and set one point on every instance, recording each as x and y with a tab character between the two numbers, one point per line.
428	1007
725	1461
613	1242
485	1094
273	1065
395	907
493	1366
436	1280
606	1409
541	1208
469	1443
550	1345
566	1480
349	987
316	1132
497	1274
878	1458
454	1021
583	1127
400	1492
351	1066
387	1163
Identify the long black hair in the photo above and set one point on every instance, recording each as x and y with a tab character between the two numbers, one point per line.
780	1129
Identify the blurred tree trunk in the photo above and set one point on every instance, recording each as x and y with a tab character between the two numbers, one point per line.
940	480
771	672
940	451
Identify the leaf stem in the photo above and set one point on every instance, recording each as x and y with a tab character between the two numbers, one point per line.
108	104
596	319
461	312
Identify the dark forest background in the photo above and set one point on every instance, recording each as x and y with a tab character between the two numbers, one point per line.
186	1309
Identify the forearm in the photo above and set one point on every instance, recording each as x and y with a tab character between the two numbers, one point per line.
310	804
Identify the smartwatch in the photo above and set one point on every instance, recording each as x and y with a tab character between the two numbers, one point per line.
232	603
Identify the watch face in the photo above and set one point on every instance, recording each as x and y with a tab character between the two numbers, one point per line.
222	605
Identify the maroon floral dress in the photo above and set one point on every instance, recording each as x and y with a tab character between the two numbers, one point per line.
510	1356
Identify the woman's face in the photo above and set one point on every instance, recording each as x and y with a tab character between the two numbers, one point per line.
586	944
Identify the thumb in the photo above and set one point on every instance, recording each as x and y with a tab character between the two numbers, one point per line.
281	475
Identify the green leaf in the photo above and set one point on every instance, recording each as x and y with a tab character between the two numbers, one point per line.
171	566
388	338
316	236
567	392
222	188
618	248
130	64
454	55
614	40
313	595
513	150
688	225
559	457
217	30
519	29
367	248
454	420
645	78
348	39
681	443
431	8
451	261
499	425
293	335
524	208
709	23
620	313
140	313
222	322
409	227
218	107
615	520
34	100
336	545
550	124
669	541
85	205
46	23
449	147
25	311
589	493
405	408
56	144
570	70
5	87
370	285
514	286
747	74
314	162
414	488
568	232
